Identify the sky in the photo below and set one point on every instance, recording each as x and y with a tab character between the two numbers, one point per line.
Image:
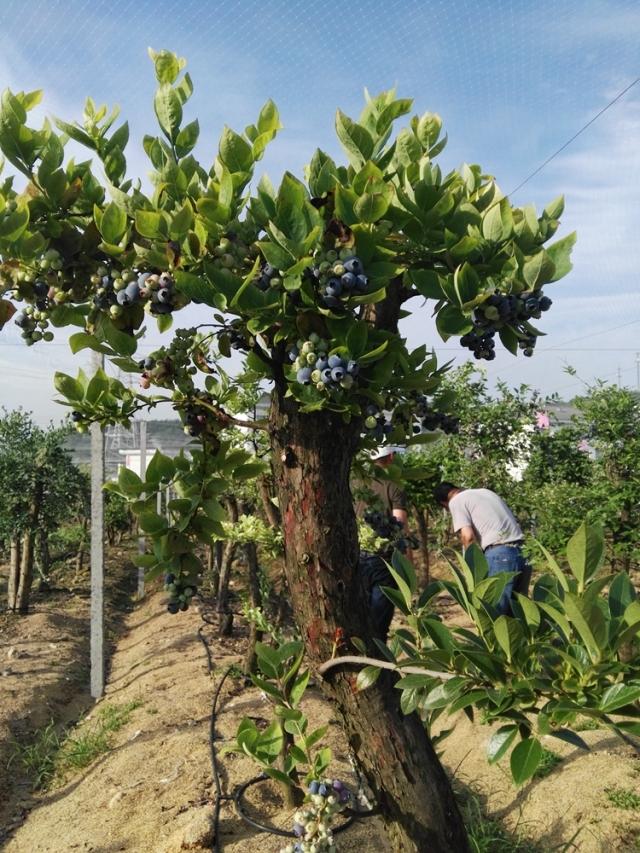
512	80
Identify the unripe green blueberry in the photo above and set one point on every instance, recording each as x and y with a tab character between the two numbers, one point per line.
321	386
36	336
119	284
307	347
48	336
56	264
331	256
95	279
228	261
314	338
347	382
115	311
311	358
44	264
324	267
339	269
371	422
275	282
225	245
316	376
52	254
345	253
102	270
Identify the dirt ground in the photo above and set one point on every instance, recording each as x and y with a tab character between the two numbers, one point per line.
153	791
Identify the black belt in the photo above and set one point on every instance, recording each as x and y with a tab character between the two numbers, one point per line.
518	544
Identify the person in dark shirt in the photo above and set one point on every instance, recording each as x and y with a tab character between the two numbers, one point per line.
383	506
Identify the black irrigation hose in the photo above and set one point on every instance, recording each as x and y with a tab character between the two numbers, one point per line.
240	791
212	749
285	833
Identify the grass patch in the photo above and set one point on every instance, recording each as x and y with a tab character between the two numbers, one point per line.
487	835
623	798
53	753
586	724
548	763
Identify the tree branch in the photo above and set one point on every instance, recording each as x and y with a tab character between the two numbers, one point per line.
358	660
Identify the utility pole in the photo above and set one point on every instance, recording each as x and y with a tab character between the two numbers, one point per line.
97	551
143	474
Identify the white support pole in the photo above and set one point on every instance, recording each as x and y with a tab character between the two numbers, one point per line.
167	493
97	552
143	474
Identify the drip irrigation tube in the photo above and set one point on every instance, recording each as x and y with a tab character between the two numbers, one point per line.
237	797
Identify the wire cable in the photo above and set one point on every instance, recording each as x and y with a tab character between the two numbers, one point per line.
575	136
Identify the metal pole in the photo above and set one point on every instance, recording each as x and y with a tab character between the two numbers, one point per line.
97	552
143	473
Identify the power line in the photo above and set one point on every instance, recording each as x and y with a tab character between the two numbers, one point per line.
575	136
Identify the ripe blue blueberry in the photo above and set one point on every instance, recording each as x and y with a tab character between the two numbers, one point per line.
354	265
303	376
337	374
545	303
349	281
335	361
313	787
362	283
334	287
164	295
353	368
332	302
322	362
326	375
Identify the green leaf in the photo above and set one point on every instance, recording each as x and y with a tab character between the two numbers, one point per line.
585	551
68	387
166	64
113	223
168	109
508	634
372	206
129	483
187	138
152	523
150	223
451	321
122	342
235	152
356	340
525	759
555	209
560	254
13	225
618	696
196	287
181	222
621	594
269	119
538	269
500	742
366	677
580	616
355	139
160	468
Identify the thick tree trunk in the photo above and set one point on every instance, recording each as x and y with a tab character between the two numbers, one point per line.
14	574
312	457
26	573
225	622
255	600
43	559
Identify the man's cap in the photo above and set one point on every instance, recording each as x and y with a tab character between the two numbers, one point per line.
384	450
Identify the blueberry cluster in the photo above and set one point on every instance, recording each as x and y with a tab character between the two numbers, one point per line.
502	309
312	822
41	295
174	364
385	526
313	365
180	593
269	277
376	423
232	252
429	419
339	275
116	290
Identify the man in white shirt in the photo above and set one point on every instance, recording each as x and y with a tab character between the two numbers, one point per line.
481	516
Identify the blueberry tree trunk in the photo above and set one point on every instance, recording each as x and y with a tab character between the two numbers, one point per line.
312	456
14	574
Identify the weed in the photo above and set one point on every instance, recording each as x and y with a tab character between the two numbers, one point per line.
548	763
623	798
586	724
487	835
53	752
38	758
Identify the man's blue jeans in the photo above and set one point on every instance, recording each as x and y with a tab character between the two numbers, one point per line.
509	558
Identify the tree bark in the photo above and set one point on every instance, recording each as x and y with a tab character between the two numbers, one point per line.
270	509
14	574
225	574
312	456
26	573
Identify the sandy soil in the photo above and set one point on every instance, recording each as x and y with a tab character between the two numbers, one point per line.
153	791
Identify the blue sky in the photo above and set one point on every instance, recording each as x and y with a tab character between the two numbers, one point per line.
512	80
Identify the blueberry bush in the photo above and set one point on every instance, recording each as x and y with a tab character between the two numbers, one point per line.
307	282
